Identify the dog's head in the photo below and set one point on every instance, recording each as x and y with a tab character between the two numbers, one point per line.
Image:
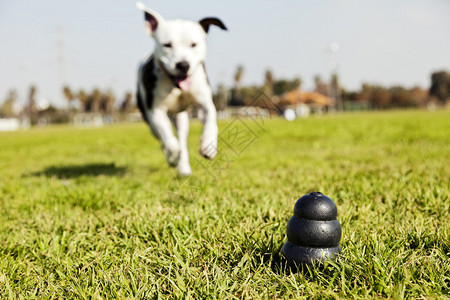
180	46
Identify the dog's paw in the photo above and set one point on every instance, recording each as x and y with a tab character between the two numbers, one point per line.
184	172
172	155
184	168
172	158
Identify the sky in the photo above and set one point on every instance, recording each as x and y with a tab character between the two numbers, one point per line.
87	44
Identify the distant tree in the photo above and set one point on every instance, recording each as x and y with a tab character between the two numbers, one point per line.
268	83
336	91
418	96
366	90
382	98
282	86
362	95
220	98
95	100
400	97
320	87
127	103
7	108
108	102
53	115
31	107
440	86
379	97
250	94
334	81
236	92
238	74
84	100
297	83
349	95
69	95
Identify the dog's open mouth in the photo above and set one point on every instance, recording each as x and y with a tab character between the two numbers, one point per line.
182	82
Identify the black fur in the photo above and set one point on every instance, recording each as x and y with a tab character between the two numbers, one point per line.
206	22
149	80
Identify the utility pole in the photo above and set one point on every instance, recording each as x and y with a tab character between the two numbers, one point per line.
61	60
61	56
334	84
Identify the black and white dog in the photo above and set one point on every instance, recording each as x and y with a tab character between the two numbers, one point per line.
173	78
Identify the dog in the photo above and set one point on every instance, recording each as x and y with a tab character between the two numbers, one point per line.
173	78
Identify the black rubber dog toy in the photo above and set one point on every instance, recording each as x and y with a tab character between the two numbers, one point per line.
313	233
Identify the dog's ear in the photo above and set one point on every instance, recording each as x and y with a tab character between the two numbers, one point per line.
211	21
152	18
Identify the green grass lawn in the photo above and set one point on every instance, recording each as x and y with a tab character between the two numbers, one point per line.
97	213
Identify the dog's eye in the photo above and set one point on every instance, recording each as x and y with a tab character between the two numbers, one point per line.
168	45
193	45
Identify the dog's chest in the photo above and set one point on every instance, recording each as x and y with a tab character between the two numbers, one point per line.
174	100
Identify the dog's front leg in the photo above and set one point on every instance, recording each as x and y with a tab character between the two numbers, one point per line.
182	122
161	126
208	141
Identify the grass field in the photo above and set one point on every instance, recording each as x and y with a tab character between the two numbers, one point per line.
97	214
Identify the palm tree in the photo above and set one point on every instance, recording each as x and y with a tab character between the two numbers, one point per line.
7	109
268	83
320	86
96	99
32	109
221	97
126	105
110	100
238	75
83	97
336	93
237	91
69	95
297	83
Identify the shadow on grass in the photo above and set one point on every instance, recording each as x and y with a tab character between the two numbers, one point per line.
73	171
280	266
269	252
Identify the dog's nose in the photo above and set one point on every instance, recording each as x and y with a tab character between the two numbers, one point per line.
182	66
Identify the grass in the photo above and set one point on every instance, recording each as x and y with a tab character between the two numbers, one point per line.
97	214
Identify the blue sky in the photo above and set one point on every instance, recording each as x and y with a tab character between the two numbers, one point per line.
382	42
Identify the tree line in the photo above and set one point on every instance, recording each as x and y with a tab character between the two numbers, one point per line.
373	95
95	101
105	102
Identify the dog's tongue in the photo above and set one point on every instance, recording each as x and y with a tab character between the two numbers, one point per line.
183	83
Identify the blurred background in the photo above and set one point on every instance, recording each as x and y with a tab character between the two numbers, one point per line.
76	61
